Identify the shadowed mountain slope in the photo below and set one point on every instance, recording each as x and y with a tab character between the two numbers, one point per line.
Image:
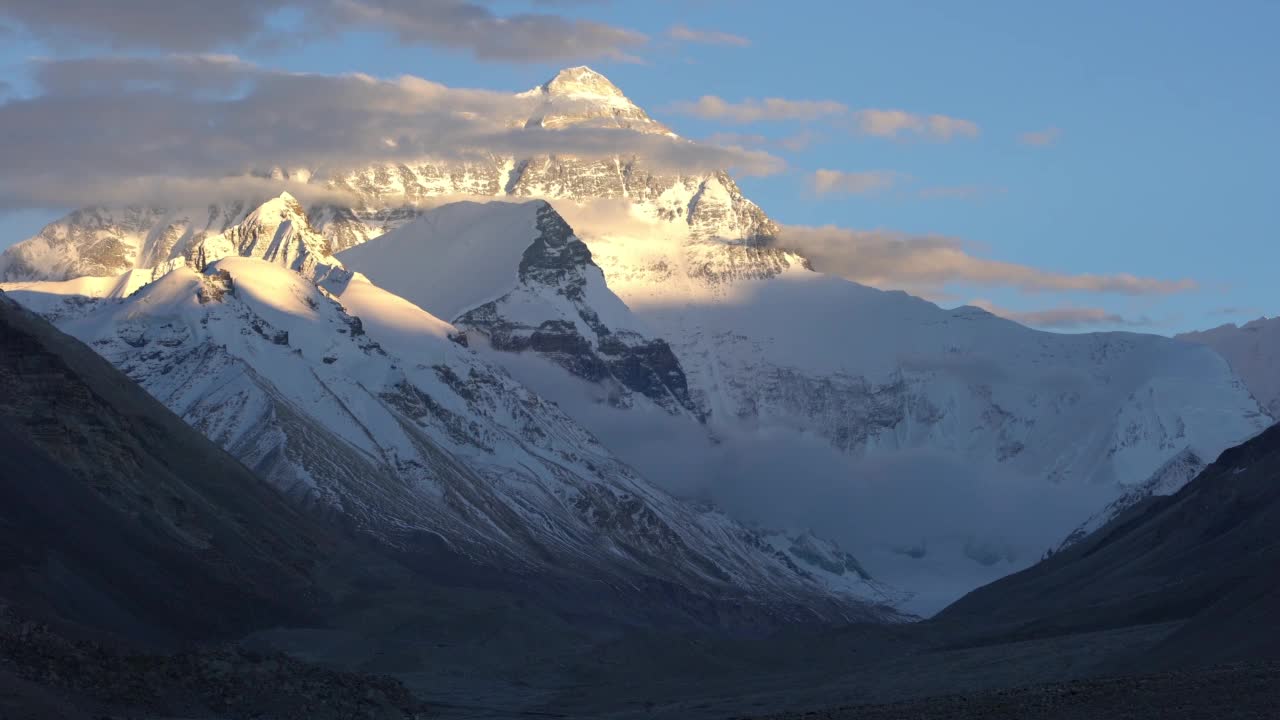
116	515
1208	555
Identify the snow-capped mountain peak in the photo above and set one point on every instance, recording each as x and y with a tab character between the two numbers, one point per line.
581	82
582	96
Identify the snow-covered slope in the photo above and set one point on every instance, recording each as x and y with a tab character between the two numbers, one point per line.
1051	424
393	423
1253	350
775	357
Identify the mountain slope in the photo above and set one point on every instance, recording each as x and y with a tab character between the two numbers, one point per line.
118	517
776	358
1253	350
395	425
1208	555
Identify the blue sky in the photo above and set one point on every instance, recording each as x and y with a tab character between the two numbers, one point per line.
1159	120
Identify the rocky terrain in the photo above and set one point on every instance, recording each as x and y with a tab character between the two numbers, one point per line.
1247	692
46	676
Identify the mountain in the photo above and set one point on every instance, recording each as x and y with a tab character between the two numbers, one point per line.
556	304
842	381
355	402
99	242
1253	350
1206	557
664	312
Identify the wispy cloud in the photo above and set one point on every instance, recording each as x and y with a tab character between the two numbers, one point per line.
959	192
710	107
872	122
799	141
252	118
465	25
1237	310
706	37
832	182
889	259
738	139
898	123
1040	138
795	142
825	182
1065	318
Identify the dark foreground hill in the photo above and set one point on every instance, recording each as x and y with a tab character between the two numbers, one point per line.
117	516
126	537
1207	557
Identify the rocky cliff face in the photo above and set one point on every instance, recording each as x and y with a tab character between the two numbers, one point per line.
557	266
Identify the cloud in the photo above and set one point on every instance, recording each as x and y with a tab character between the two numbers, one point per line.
706	37
472	27
1236	310
825	182
795	142
895	123
799	141
958	192
1040	138
92	123
1065	318
894	260
710	107
873	122
737	139
187	25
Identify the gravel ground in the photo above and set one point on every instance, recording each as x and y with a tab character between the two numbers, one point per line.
1245	692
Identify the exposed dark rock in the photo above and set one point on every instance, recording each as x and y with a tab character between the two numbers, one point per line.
558	261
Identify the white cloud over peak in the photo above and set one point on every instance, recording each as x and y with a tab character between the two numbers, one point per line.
93	123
